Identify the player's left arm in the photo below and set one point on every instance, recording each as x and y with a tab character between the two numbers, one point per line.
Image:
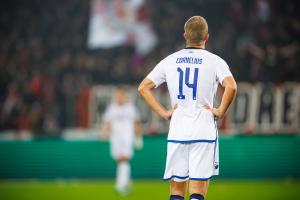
146	91
230	90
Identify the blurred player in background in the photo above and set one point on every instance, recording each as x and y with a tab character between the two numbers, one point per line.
192	75
121	125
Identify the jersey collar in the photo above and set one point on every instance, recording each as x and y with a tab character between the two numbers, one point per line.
193	48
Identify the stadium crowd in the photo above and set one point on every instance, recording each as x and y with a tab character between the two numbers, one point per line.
45	63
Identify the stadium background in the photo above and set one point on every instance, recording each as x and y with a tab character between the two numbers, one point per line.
60	60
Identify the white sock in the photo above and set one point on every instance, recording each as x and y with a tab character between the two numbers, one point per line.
123	175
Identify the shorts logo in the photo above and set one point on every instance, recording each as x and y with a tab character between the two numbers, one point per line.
216	165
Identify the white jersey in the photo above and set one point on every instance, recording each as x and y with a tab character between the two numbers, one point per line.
192	76
121	119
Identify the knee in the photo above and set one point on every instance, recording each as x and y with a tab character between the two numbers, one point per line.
178	188
198	187
121	159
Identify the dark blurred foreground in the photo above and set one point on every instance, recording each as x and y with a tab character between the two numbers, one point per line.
46	66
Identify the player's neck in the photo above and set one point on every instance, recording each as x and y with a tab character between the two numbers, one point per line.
121	103
195	45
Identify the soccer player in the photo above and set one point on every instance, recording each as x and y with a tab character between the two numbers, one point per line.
192	76
121	124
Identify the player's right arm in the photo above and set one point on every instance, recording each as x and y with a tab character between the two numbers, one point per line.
146	91
106	125
105	129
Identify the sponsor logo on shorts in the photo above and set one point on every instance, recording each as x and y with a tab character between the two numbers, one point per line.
216	165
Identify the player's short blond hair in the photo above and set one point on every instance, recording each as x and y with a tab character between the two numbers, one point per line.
196	29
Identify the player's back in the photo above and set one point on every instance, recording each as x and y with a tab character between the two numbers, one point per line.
192	76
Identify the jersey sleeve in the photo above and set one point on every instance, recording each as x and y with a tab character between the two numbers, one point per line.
222	70
158	75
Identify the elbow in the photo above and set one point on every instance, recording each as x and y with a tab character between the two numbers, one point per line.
141	89
145	87
234	88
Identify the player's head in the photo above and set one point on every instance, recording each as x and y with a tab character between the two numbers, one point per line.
196	30
120	95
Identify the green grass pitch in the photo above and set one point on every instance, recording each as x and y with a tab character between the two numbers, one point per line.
146	190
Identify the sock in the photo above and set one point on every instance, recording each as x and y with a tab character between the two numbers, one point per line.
123	175
176	197
196	197
118	177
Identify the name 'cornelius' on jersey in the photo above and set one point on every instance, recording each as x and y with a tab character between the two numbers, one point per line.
192	77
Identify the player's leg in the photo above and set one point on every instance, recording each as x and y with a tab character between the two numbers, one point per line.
201	168
124	154
177	169
198	189
177	190
122	162
123	177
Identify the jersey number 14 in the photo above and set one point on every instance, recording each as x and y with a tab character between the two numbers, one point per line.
186	76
